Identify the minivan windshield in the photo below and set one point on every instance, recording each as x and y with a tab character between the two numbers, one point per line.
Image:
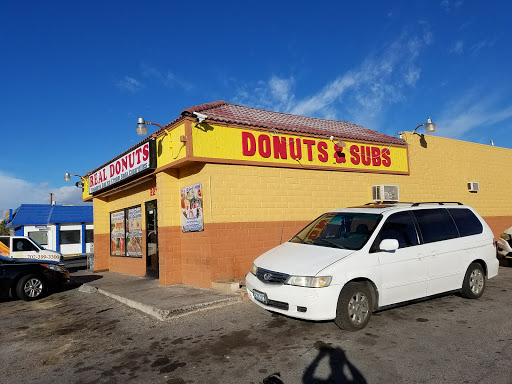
339	230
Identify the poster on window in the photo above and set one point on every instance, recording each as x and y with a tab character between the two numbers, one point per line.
192	208
134	234
117	234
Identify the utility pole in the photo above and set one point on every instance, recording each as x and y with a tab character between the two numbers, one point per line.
51	199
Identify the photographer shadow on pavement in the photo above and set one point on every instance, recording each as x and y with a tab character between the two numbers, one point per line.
342	371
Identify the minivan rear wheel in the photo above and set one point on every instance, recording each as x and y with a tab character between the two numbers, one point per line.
474	282
354	307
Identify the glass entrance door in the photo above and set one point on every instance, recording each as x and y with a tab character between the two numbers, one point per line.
151	240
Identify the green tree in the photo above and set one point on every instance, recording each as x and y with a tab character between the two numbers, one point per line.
3	231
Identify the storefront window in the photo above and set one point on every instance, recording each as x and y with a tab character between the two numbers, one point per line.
69	237
134	232
117	234
41	237
126	232
89	235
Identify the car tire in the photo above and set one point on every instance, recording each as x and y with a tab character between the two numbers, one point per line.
474	282
30	287
354	307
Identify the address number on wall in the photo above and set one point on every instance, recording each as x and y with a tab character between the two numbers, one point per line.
152	192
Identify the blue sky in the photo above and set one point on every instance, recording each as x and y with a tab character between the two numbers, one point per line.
76	75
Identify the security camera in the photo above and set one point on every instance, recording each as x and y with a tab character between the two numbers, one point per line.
200	117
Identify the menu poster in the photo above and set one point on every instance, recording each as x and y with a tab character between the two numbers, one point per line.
192	208
134	234
117	237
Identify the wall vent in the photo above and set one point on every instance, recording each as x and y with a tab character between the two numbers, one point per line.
473	186
385	193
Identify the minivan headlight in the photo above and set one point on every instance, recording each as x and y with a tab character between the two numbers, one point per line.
309	281
254	269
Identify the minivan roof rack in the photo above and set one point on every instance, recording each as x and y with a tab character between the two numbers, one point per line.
389	202
438	202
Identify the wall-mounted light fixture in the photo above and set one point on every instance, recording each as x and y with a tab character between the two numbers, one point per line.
429	126
142	128
79	184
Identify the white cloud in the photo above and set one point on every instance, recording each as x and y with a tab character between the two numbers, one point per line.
458	48
448	6
281	88
412	76
275	94
15	191
477	47
473	49
358	95
167	79
472	112
129	84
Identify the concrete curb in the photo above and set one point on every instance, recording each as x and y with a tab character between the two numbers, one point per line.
169	314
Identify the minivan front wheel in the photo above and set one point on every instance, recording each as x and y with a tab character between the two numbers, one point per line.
354	307
474	282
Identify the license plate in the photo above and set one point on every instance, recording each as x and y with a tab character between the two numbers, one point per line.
260	296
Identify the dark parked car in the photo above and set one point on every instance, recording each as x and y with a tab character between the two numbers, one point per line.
30	279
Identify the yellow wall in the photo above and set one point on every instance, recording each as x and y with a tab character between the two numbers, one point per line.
169	147
266	197
168	196
442	170
439	172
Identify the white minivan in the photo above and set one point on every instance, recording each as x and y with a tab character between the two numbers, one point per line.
350	262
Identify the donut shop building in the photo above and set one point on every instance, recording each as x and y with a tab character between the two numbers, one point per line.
199	199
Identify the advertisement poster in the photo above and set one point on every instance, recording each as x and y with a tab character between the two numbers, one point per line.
117	234
134	234
192	208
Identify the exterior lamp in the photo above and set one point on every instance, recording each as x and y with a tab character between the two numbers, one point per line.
79	184
429	126
142	128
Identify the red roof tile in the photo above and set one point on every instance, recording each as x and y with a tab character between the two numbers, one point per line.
225	112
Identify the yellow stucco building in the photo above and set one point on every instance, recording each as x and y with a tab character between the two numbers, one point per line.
198	200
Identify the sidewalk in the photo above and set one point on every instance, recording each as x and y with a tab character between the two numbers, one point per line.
146	295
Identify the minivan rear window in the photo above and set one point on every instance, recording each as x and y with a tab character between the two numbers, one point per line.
339	230
467	223
435	225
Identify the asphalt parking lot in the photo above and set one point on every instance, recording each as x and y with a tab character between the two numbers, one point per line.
90	338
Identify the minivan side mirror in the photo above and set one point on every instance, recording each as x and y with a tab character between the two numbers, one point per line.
389	245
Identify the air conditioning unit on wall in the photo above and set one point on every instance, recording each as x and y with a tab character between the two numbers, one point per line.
385	193
473	186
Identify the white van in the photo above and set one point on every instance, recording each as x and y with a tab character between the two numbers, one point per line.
22	247
350	262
